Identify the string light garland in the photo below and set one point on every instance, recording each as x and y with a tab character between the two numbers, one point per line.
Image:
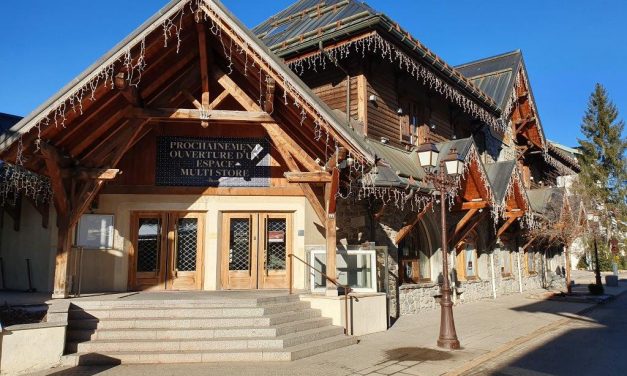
16	180
375	43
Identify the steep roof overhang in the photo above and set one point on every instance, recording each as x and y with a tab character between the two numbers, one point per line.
379	25
91	84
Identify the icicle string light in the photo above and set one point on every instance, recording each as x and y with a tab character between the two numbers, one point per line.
16	180
374	43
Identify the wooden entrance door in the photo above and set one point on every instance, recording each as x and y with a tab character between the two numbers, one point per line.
167	251
255	249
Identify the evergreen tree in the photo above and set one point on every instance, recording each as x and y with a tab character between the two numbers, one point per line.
603	151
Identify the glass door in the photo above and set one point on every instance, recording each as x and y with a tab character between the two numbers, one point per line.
167	251
255	248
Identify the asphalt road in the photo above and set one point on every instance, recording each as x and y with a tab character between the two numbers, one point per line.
596	344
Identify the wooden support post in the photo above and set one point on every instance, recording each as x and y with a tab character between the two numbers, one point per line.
64	244
331	232
204	68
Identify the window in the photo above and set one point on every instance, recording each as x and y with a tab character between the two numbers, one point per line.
506	262
357	268
415	256
467	261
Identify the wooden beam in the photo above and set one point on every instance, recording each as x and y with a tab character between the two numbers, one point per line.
514	215
306	188
331	230
308	177
405	230
204	63
268	104
462	222
232	88
53	160
204	67
165	114
126	139
192	99
529	242
64	245
505	226
128	91
474	205
332	189
219	99
467	230
82	173
285	141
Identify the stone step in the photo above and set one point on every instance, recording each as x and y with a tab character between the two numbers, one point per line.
78	335
174	312
184	303
128	345
251	355
194	323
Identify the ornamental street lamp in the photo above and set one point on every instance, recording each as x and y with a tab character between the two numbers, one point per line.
442	181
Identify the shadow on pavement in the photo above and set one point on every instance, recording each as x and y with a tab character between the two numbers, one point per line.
416	354
592	346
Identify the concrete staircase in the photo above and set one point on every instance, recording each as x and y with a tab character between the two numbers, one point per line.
277	328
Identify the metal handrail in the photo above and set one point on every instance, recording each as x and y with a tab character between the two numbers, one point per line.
347	288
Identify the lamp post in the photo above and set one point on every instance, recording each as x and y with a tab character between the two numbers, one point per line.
442	180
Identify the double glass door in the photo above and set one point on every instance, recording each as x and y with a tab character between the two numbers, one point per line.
167	251
255	249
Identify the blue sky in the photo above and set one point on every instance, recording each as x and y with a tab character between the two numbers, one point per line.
568	45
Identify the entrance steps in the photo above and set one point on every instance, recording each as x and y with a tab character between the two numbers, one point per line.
278	328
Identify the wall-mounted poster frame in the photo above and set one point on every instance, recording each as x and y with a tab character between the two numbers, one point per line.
95	231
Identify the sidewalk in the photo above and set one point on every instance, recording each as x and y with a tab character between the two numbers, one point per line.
484	328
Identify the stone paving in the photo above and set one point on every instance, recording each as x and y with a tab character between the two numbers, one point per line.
408	348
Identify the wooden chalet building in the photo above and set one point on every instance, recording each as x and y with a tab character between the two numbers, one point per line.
200	155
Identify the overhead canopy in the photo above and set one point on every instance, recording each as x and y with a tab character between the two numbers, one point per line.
82	116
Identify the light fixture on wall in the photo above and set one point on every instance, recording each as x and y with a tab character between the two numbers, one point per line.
372	98
399	111
384	140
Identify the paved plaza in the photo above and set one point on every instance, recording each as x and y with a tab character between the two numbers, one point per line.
487	329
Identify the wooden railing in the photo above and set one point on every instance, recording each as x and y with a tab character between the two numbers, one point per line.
347	288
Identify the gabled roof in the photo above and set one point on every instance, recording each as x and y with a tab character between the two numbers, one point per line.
7	121
547	202
306	23
495	75
500	175
155	25
306	16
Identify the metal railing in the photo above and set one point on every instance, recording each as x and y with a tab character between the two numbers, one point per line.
347	288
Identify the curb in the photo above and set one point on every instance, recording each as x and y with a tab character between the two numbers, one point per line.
468	366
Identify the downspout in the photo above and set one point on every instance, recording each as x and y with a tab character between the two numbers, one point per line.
520	286
493	275
348	83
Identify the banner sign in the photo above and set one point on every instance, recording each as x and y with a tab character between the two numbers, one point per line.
213	162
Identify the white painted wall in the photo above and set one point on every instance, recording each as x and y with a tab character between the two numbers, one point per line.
108	270
33	242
